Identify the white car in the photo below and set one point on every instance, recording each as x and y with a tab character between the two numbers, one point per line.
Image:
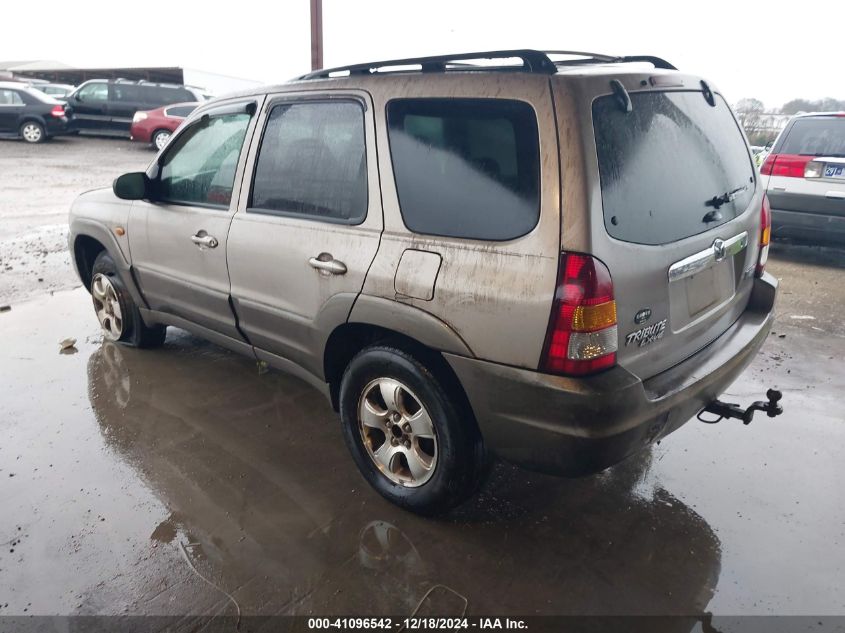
805	178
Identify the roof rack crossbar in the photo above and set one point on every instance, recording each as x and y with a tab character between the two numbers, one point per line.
532	62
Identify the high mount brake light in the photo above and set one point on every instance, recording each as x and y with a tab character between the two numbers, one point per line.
581	338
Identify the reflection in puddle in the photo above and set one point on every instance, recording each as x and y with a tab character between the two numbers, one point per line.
256	474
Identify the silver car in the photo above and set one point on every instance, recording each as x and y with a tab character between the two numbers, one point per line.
804	176
553	258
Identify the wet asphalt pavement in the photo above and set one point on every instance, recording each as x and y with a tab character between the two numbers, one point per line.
182	481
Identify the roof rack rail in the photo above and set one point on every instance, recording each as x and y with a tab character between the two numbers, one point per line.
532	62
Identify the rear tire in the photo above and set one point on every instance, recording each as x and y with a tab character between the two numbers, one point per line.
117	311
415	444
33	132
159	139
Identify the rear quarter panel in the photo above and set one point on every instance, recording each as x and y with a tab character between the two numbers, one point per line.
496	296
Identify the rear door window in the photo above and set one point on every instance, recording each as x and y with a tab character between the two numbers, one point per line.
673	167
10	97
180	111
816	136
312	162
466	167
127	93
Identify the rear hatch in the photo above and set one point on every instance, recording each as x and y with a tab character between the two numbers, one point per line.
676	220
806	170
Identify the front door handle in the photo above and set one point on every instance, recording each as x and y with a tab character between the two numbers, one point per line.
327	265
204	240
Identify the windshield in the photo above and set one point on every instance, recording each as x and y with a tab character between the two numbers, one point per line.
673	167
816	136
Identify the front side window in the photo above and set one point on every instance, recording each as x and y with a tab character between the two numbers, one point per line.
466	167
94	92
200	166
312	162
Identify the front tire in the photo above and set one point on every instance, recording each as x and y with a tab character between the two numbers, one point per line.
416	444
116	311
33	132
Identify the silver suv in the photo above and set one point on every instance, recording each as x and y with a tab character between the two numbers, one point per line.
555	258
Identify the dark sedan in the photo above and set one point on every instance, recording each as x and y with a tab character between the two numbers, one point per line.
29	114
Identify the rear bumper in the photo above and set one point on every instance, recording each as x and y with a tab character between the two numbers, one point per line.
571	426
817	227
54	126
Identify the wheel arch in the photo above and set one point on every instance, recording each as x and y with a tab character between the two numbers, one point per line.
348	339
88	239
85	252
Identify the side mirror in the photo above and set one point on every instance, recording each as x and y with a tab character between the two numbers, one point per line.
132	186
77	97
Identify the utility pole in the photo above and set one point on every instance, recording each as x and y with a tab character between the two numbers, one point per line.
316	34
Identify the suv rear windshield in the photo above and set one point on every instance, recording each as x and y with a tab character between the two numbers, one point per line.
673	167
466	167
816	136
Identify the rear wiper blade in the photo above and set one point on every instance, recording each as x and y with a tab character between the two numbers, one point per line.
728	196
831	155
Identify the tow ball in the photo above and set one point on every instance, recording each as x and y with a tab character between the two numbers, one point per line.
729	410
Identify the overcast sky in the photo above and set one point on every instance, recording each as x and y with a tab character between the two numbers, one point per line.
770	51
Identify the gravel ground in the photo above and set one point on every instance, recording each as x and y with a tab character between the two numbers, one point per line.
39	183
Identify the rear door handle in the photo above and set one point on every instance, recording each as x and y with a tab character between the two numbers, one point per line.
327	265
204	240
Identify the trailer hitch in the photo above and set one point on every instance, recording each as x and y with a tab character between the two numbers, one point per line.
729	410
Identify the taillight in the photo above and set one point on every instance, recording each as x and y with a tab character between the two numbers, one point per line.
768	164
58	111
787	165
581	338
765	235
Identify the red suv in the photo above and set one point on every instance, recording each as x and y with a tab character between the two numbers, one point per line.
156	126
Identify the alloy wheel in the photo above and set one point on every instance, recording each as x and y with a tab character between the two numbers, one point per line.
397	432
32	132
161	139
107	306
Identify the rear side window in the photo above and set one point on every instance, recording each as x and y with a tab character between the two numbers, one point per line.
312	162
673	167
199	167
180	111
10	97
817	136
466	167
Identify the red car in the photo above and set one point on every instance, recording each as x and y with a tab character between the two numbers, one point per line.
156	126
